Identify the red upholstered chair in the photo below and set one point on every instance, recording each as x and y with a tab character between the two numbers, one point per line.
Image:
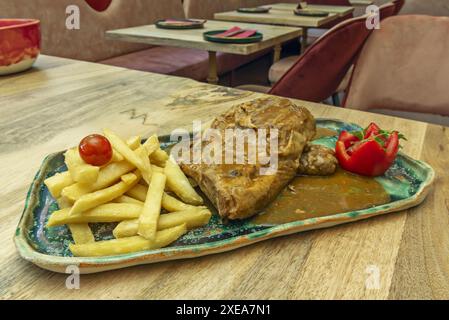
403	70
318	72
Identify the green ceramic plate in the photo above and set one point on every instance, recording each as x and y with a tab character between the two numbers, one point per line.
254	10
407	182
188	24
209	36
310	13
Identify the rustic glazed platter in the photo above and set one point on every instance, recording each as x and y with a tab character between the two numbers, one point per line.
407	183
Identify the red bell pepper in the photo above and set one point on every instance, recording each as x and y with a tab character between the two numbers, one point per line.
370	152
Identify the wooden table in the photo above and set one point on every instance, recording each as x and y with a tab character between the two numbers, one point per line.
339	10
279	17
362	3
53	106
273	36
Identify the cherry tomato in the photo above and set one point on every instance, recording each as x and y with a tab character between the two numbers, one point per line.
95	150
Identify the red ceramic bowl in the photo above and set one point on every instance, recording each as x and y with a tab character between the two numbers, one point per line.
20	41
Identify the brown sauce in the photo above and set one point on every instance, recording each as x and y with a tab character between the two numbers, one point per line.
308	197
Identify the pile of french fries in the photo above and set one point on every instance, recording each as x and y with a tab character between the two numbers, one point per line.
132	189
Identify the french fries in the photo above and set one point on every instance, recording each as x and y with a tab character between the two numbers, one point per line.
171	204
126	245
151	145
129	154
79	170
179	184
58	182
131	190
193	218
94	199
109	212
152	208
116	156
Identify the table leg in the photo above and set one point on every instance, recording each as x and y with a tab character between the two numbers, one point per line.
277	53
213	75
304	39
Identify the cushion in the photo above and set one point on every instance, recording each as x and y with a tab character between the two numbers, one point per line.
404	66
183	62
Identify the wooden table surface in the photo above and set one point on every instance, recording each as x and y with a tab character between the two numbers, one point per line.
340	10
52	106
193	38
276	17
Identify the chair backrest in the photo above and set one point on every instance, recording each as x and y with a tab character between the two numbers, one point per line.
318	72
89	42
403	66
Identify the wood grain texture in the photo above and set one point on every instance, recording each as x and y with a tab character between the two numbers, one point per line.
193	38
290	7
276	17
54	105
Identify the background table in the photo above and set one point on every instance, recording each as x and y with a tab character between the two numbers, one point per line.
361	2
53	106
273	36
279	17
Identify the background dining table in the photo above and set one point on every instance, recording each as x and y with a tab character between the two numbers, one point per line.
52	106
